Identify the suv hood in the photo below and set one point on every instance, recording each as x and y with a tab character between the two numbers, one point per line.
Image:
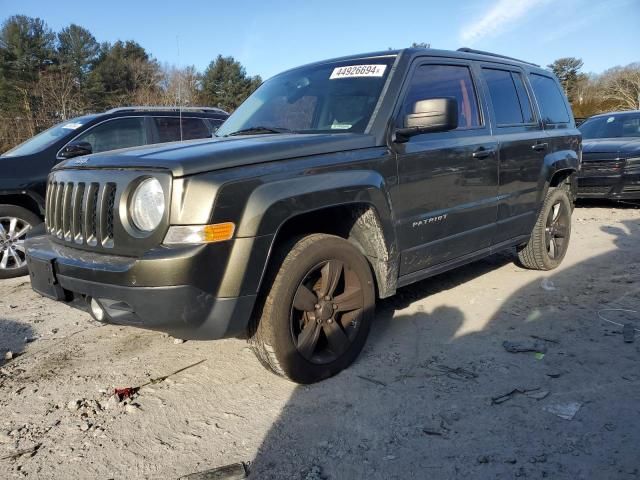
197	156
624	147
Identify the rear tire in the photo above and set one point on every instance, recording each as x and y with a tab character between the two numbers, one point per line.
317	311
15	222
549	240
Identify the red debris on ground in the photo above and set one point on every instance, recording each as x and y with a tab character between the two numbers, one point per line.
126	392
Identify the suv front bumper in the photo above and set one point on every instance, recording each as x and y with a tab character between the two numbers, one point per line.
166	290
624	186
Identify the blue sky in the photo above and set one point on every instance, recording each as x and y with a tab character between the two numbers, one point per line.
271	36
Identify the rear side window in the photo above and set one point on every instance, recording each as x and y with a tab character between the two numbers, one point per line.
214	124
523	96
193	128
504	97
550	99
440	81
114	134
168	129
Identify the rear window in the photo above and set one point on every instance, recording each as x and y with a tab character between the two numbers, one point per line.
550	99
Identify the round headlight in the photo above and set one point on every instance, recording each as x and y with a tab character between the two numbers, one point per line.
147	205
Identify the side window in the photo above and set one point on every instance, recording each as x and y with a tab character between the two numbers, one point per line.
168	129
504	97
193	128
214	124
438	81
523	96
114	134
550	99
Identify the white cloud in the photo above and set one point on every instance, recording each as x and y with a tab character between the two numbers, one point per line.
499	18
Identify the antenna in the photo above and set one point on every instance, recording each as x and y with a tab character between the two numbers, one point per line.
179	87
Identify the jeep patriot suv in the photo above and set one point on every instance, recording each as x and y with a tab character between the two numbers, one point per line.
332	185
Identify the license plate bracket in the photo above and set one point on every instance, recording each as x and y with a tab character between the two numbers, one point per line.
43	277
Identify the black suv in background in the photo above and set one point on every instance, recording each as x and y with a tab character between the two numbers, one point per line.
611	156
24	169
332	185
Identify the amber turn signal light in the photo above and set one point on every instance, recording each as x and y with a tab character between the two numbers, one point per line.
193	234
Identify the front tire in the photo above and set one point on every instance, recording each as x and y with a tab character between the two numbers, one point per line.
15	223
549	240
317	311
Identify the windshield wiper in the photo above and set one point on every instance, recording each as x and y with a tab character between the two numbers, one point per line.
259	129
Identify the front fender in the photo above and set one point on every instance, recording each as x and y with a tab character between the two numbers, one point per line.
272	204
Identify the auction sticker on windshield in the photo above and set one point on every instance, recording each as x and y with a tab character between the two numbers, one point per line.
358	71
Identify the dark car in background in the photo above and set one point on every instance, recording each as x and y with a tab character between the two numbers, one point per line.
24	169
611	156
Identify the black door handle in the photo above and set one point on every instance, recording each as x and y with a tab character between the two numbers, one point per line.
540	147
483	152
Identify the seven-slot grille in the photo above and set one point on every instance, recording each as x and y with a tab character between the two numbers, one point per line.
81	212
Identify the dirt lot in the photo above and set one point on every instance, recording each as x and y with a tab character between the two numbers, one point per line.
417	404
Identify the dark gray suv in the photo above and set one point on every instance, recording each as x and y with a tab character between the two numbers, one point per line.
332	185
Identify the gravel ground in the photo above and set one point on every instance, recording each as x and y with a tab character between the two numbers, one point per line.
435	394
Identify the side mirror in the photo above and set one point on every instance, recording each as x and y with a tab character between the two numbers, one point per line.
75	149
430	115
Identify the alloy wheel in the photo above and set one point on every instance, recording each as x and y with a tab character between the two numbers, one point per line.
13	232
326	312
556	230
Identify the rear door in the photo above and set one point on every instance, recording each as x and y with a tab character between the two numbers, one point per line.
557	119
445	202
522	148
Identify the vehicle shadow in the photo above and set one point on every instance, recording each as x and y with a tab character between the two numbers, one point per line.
418	402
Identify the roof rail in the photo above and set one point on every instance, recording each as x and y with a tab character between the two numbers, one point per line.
482	52
170	108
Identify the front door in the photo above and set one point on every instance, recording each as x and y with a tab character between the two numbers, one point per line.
445	201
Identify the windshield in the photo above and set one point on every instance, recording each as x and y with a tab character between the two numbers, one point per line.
612	126
334	97
48	137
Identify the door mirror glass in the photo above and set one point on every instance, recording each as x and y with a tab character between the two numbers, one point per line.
430	115
76	149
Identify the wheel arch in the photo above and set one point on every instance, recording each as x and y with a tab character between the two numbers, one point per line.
357	222
559	167
25	199
352	204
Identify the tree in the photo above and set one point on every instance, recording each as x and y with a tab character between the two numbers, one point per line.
622	86
179	86
567	69
27	45
420	45
26	48
78	51
225	83
120	71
